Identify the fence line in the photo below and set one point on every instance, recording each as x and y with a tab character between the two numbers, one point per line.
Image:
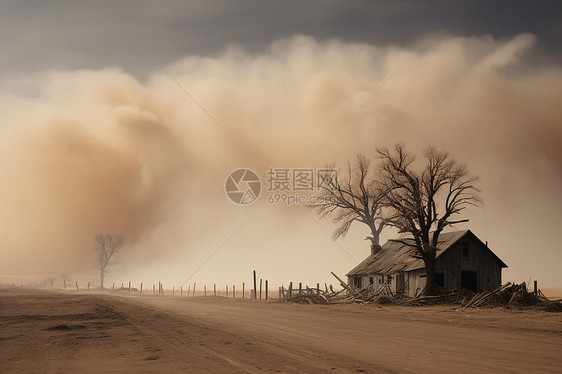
261	291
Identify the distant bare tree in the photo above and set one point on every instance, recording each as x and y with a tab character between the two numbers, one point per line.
357	196
425	201
107	246
65	277
50	280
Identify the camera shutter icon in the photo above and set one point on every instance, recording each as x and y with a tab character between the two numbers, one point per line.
243	186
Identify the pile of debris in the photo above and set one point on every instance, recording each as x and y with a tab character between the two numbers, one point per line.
454	297
346	295
311	296
509	295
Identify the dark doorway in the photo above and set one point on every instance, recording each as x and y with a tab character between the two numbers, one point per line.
469	280
440	279
400	282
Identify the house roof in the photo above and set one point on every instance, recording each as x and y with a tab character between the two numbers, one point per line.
396	256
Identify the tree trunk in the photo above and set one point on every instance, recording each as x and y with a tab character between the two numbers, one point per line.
376	233
431	288
101	278
376	238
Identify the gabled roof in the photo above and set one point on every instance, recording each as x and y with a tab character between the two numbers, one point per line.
395	256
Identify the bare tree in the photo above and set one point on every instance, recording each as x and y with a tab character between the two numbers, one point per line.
65	277
425	202
356	196
107	247
50	280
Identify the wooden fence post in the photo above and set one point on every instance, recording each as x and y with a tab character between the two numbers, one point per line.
291	290
88	285
214	289
173	290
536	291
205	290
194	284
181	290
188	290
153	289
317	288
129	286
233	291
266	290
113	287
243	289
260	287
255	286
227	291
300	288
141	289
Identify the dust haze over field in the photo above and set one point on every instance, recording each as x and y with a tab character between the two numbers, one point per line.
91	151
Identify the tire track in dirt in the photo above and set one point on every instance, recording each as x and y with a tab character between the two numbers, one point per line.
207	344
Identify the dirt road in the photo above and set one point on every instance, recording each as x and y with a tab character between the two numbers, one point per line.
48	332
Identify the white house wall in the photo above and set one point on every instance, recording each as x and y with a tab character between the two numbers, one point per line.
416	282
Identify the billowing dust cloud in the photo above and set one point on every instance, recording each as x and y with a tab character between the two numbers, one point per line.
90	152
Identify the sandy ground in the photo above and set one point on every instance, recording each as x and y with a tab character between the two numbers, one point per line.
552	293
53	332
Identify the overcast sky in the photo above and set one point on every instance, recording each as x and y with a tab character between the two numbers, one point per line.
96	137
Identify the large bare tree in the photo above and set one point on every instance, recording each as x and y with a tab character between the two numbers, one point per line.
426	200
107	246
356	196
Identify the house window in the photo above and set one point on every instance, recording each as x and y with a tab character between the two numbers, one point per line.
465	252
371	280
440	279
389	279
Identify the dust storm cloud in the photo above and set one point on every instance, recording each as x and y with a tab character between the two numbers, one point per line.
100	151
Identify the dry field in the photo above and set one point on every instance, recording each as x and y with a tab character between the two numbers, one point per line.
53	332
552	293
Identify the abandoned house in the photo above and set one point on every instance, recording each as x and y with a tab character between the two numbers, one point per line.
462	260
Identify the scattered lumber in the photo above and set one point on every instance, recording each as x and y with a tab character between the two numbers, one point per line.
450	298
512	295
508	295
310	299
344	285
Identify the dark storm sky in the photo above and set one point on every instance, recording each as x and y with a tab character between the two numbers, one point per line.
39	35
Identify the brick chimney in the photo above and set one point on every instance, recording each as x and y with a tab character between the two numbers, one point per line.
375	248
